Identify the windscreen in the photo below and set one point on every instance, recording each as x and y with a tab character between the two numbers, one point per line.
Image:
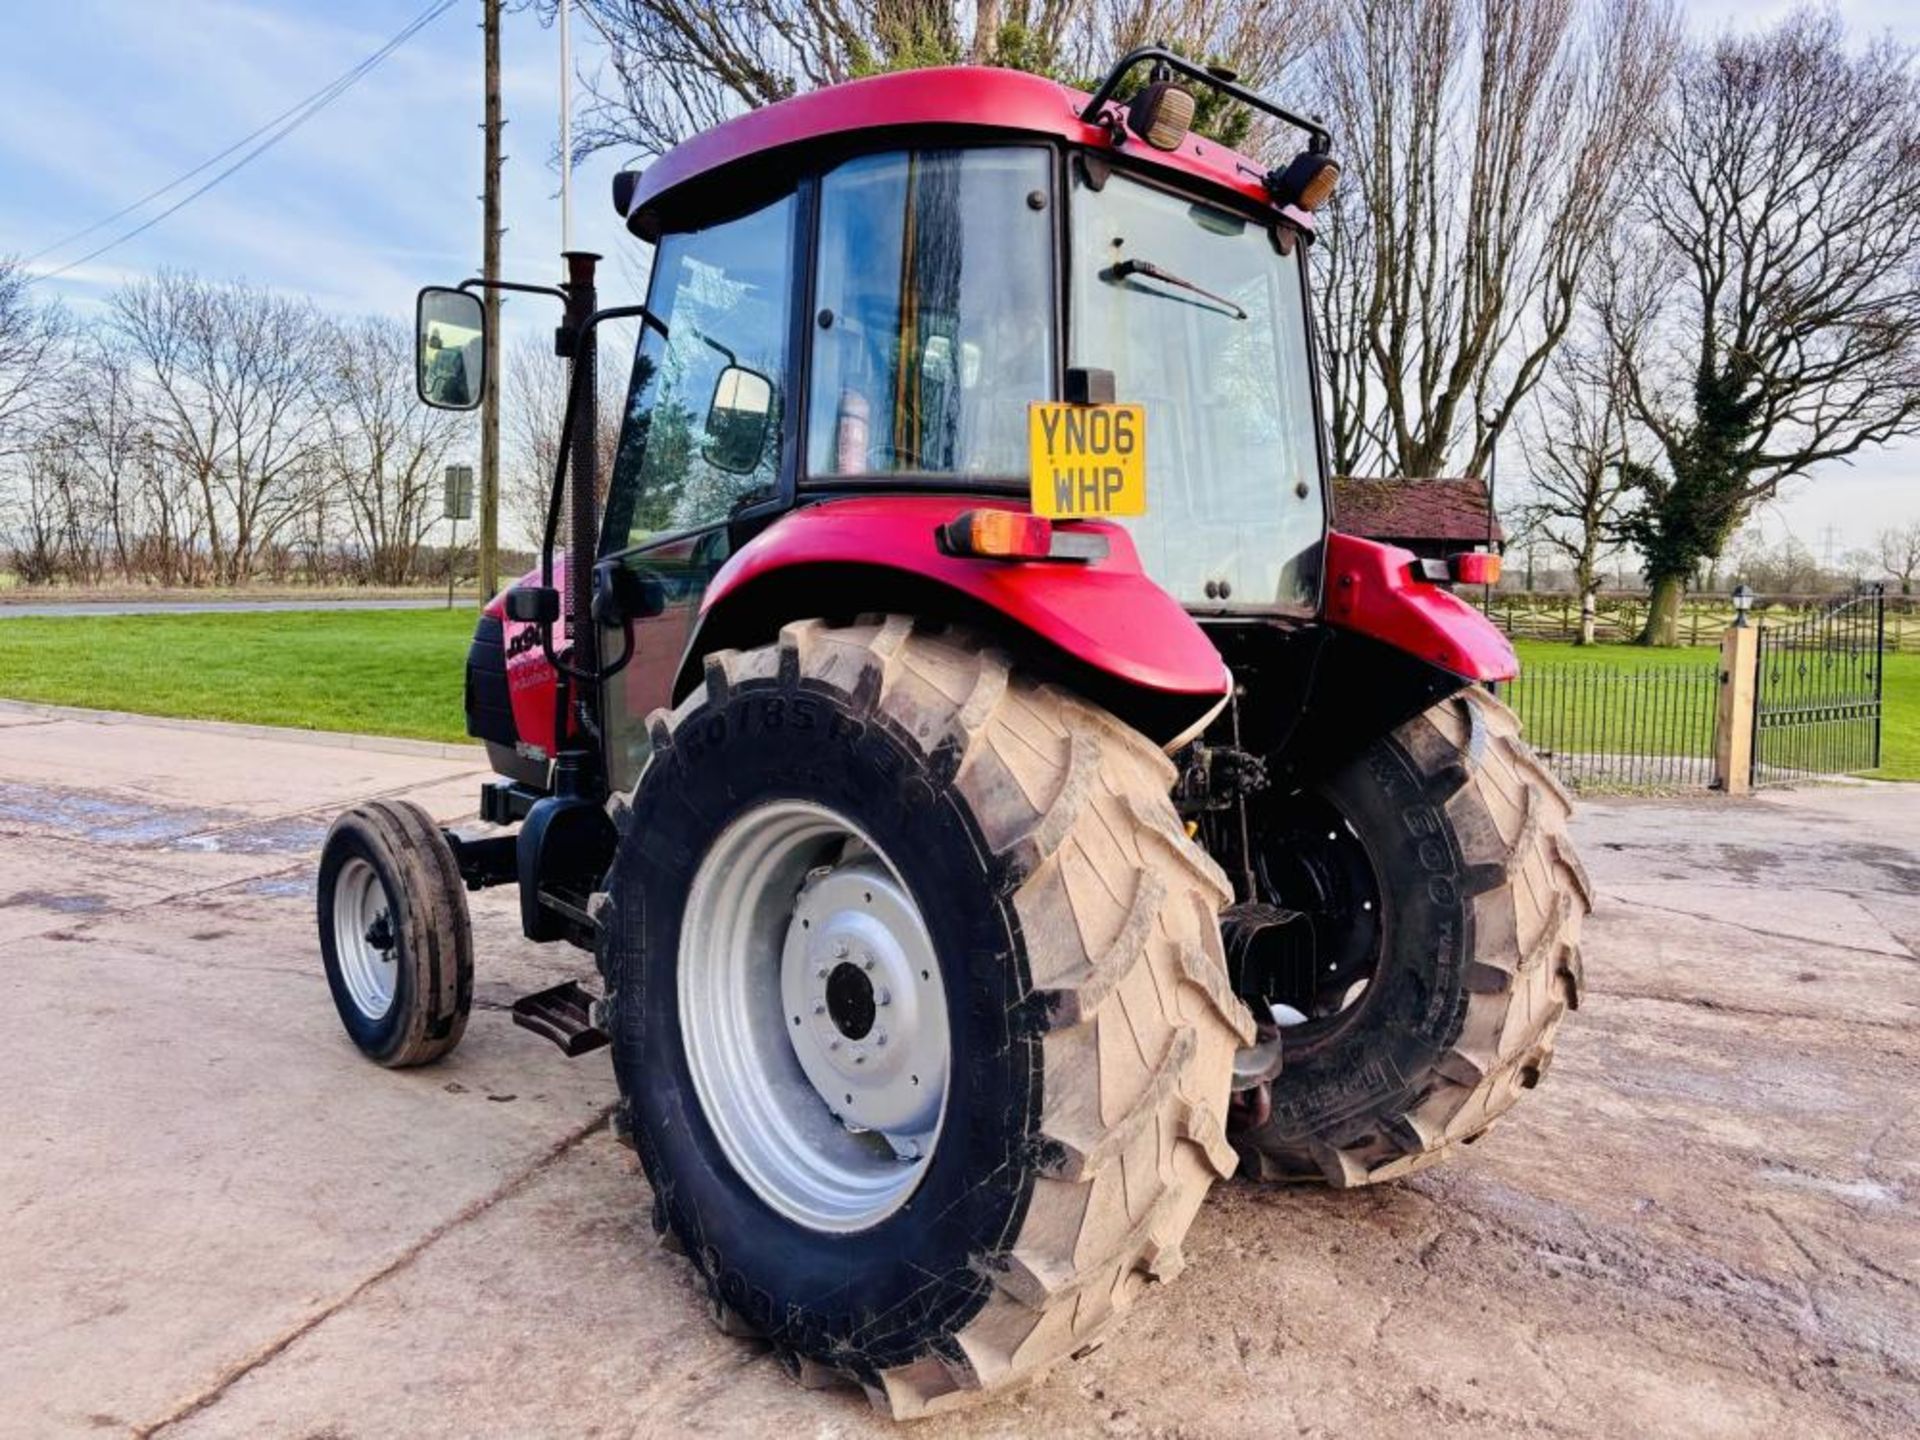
1202	321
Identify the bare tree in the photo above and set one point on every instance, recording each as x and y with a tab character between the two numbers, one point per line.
1785	196
53	527
1486	144
1786	567
229	368
1897	548
674	67
534	401
384	448
31	352
1581	468
105	429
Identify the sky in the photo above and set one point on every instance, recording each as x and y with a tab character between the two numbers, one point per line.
104	100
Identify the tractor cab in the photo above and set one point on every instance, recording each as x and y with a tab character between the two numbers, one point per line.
909	294
988	293
997	804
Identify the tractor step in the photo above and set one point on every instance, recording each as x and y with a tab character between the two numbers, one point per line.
563	1015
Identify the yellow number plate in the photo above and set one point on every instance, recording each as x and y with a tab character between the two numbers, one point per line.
1087	461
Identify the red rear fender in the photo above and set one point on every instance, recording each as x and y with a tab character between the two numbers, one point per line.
1106	616
1371	589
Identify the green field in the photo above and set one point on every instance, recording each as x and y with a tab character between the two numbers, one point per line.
399	672
381	672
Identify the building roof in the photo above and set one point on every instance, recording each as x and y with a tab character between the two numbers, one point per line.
1443	508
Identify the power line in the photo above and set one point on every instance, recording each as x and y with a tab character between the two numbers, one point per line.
274	130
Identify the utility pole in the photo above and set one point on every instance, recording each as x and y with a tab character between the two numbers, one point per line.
490	271
566	130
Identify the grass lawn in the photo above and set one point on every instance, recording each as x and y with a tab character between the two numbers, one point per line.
381	672
1900	696
399	672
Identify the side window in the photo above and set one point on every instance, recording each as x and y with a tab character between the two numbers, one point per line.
934	322
703	429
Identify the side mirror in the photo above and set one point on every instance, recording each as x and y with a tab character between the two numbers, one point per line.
737	419
449	346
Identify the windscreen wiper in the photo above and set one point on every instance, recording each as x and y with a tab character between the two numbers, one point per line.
1166	277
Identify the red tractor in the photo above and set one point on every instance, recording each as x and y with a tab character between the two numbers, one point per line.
997	804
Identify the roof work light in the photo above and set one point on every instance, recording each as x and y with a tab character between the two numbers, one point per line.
1161	114
1306	183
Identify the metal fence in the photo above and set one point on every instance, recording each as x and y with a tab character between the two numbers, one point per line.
1620	727
1817	693
1619	615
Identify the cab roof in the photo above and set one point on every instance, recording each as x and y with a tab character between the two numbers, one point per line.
954	104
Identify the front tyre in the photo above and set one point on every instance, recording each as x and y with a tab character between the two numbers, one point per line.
920	1016
394	933
1445	1004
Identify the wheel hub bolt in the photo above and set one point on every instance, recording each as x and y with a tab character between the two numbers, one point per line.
839	951
819	1007
883	997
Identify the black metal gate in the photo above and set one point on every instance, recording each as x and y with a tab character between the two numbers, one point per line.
1816	699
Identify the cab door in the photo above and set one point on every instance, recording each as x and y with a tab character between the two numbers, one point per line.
706	439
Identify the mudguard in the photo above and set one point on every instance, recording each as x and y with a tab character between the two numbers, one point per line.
1371	589
1105	615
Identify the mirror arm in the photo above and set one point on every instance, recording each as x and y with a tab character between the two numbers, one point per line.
476	283
628	312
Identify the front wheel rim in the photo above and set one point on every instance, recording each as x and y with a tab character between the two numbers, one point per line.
363	938
814	1016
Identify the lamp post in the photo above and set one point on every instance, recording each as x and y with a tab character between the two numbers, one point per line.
1742	603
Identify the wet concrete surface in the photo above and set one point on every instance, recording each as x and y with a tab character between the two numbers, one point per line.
216	1220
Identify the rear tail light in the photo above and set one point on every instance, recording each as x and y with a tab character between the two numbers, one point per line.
1475	567
1015	535
1472	567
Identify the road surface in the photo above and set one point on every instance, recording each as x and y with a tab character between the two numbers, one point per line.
219	1221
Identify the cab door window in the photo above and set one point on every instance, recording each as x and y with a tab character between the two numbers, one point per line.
705	419
703	437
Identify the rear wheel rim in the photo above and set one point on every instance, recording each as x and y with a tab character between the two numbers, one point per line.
814	1016
363	938
1318	865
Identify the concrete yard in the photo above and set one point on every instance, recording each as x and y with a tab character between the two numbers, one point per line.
217	1220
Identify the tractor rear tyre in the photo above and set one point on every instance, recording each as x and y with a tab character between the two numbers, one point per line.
919	1012
1475	957
394	933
